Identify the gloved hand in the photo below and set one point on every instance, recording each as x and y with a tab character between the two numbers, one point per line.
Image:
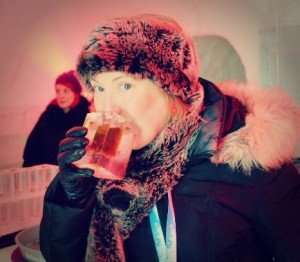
78	183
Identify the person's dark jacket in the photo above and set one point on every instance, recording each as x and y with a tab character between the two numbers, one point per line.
222	213
42	144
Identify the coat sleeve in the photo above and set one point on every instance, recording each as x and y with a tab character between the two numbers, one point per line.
32	150
279	214
63	229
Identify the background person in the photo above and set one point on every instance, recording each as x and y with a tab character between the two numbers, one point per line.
211	176
66	110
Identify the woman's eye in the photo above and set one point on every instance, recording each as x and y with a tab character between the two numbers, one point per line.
126	86
98	89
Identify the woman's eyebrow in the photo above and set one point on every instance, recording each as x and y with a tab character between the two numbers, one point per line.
120	77
94	80
114	79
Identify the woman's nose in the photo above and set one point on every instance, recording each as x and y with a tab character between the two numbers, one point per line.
109	104
59	95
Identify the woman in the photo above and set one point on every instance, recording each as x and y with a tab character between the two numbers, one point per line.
210	177
67	110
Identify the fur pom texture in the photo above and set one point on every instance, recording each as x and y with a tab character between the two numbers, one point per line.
272	131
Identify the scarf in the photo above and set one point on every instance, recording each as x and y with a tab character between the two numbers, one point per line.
151	172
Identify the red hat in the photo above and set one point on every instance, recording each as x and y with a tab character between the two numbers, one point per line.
70	80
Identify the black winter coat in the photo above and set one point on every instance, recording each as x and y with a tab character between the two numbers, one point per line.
221	214
42	144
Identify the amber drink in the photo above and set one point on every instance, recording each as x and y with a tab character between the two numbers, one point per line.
110	145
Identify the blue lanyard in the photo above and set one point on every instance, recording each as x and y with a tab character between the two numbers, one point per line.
166	249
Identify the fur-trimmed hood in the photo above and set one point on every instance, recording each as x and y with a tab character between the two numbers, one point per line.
271	132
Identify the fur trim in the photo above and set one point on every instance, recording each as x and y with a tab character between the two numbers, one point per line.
272	131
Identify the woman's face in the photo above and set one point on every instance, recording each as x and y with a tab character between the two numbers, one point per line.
142	102
65	96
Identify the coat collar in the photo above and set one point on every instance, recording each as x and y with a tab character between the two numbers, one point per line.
220	116
246	127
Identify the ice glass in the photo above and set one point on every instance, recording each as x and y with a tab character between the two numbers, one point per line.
110	145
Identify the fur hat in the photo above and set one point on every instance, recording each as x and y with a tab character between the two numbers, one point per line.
70	80
147	46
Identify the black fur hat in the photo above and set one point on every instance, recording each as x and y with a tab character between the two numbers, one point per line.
147	46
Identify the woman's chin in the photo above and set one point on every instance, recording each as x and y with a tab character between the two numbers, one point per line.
138	144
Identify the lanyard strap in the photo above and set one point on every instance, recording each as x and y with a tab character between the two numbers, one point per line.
166	249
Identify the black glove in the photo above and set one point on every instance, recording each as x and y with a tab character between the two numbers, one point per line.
78	183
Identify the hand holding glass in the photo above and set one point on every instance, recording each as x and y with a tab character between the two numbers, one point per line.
110	145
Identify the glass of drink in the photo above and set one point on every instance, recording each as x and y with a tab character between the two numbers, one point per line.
110	146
